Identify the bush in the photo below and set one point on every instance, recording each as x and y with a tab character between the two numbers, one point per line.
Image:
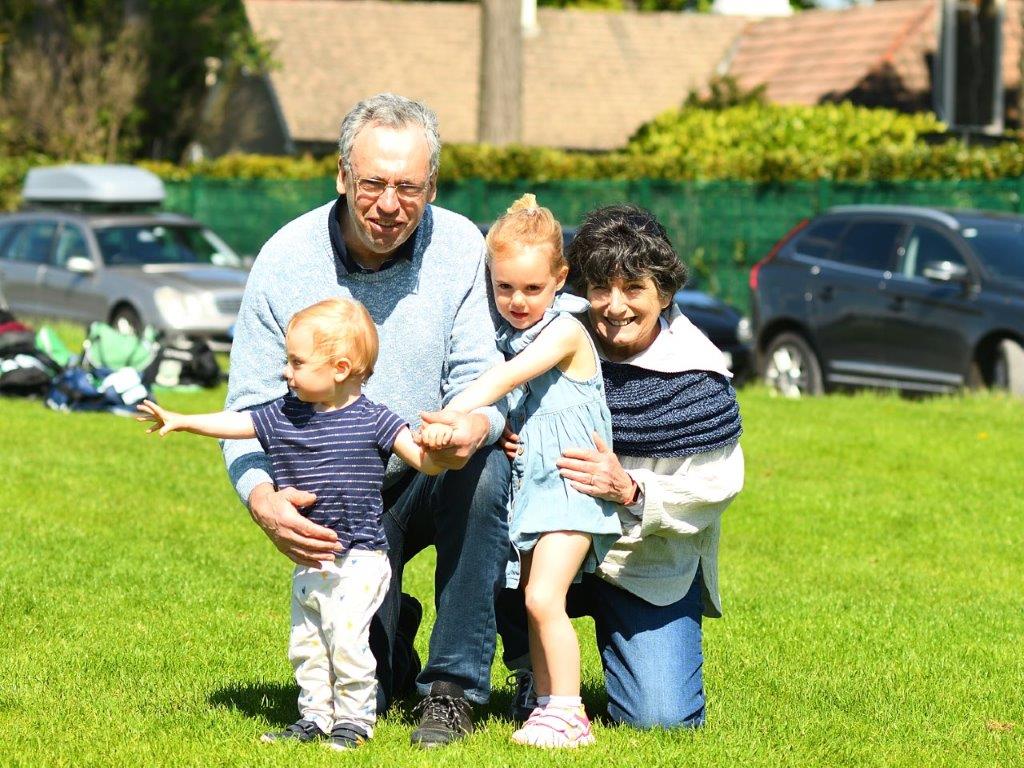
752	141
12	174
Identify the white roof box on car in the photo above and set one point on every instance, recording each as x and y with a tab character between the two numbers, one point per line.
104	184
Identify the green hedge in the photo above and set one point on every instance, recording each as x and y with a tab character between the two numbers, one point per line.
753	142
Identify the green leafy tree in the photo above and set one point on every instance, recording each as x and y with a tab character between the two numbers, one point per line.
174	38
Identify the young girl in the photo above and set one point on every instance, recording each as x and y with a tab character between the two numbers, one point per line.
556	530
327	438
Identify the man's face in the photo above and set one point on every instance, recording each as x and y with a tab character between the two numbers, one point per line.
377	225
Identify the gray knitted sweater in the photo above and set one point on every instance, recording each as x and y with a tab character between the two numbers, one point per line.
433	315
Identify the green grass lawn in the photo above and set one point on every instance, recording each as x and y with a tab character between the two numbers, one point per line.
872	573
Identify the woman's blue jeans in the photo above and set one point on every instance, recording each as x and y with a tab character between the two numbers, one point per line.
651	654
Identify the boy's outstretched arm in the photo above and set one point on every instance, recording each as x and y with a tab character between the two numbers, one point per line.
406	449
229	425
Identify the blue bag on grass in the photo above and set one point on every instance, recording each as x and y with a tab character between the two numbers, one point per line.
101	389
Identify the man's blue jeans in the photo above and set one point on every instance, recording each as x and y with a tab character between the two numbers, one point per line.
651	654
463	514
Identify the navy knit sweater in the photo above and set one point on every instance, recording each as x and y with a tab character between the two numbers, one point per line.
669	414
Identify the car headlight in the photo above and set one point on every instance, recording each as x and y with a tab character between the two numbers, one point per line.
178	307
744	333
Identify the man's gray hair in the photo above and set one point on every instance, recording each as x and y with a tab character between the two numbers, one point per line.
393	111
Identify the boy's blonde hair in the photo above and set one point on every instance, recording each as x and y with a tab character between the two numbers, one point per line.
526	223
342	328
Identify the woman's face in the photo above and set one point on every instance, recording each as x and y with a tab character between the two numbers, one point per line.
624	315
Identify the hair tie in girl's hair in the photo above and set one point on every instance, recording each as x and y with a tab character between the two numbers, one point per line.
527	204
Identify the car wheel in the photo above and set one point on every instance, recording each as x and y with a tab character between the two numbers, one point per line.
791	368
1008	371
126	320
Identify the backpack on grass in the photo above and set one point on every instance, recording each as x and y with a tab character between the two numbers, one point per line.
49	343
24	370
184	362
106	347
78	389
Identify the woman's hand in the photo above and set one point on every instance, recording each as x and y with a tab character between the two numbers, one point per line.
510	443
597	472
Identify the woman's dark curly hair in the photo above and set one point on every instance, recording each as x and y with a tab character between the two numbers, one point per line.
627	242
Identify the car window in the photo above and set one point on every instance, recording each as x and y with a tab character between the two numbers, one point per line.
31	244
926	246
1000	248
869	244
163	244
6	230
819	239
70	242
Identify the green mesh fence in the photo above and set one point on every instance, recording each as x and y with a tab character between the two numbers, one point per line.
719	228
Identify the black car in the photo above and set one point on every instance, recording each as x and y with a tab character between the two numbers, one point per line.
727	328
918	299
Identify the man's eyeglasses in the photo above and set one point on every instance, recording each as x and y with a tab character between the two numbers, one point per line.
374	188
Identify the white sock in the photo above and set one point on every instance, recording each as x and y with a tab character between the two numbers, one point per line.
543	701
564	702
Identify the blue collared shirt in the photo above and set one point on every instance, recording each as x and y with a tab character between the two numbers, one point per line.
344	258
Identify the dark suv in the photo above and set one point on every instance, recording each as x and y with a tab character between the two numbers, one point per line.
920	299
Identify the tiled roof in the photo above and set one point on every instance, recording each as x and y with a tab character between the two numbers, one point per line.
602	75
881	52
589	78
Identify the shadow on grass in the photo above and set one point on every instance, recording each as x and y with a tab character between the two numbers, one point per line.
276	702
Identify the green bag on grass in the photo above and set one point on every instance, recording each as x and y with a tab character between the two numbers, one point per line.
106	347
49	343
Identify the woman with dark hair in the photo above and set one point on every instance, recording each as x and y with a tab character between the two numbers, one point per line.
676	466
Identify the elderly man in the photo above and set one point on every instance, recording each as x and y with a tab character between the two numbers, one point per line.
419	270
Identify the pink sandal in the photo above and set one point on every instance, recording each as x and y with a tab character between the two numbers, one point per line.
551	728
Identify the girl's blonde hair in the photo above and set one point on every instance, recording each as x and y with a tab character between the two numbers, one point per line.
342	328
526	223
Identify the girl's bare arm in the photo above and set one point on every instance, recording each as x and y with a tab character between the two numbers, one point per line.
556	343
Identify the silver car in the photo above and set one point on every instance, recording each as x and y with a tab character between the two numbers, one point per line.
128	269
162	270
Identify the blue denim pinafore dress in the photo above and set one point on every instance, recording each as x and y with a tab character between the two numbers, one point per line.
550	414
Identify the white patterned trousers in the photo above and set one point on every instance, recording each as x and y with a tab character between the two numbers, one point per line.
329	645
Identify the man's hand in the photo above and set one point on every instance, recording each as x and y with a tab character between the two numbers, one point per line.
597	472
469	430
301	540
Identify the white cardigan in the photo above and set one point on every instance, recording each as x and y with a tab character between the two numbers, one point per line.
677	524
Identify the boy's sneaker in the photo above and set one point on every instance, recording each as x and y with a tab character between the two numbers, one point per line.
301	730
525	699
347	736
445	716
555	728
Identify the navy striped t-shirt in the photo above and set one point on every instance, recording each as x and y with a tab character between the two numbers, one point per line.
338	455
